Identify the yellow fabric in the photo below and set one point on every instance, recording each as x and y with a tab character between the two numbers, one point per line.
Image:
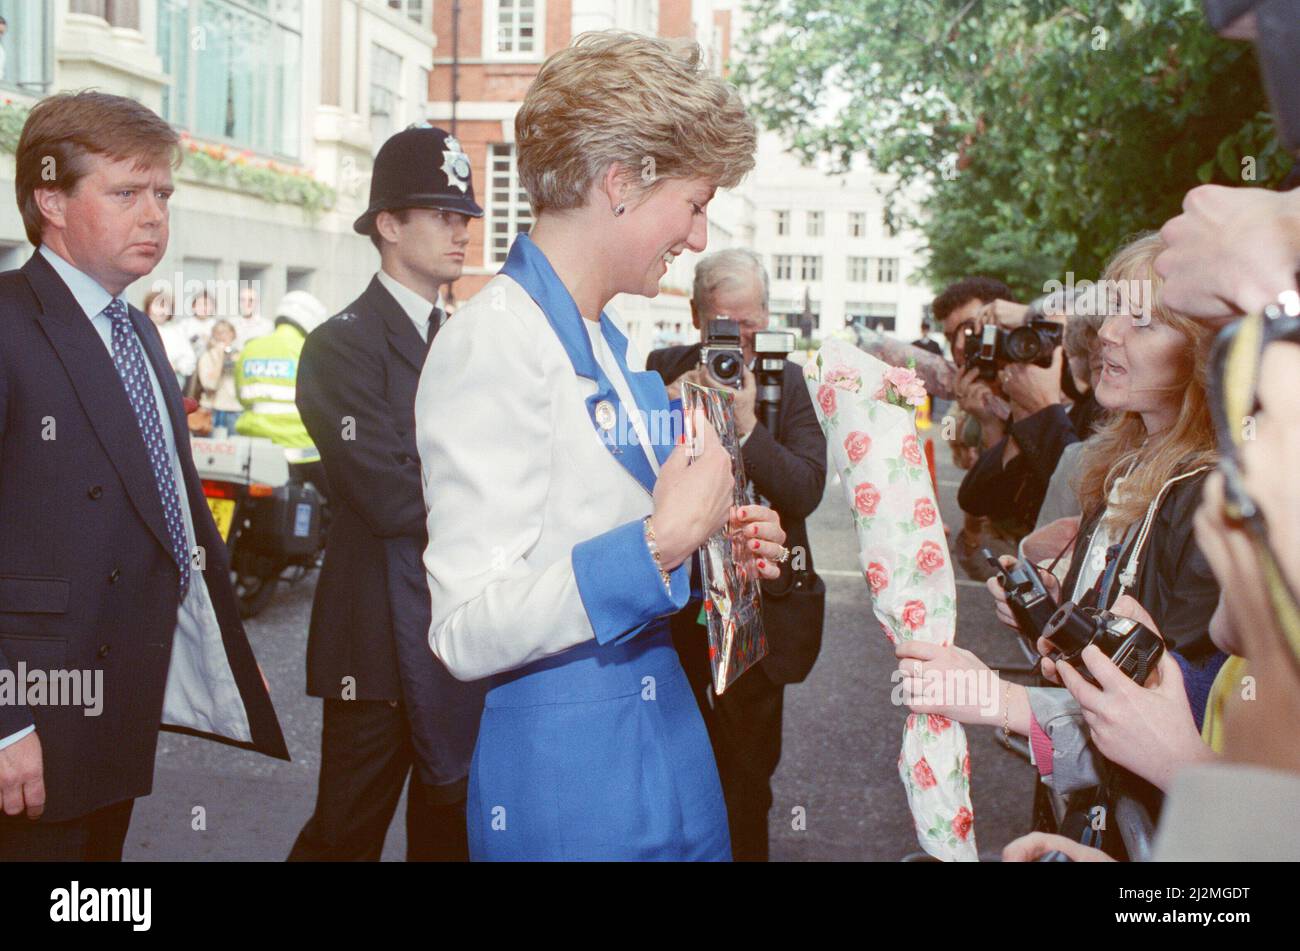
1225	682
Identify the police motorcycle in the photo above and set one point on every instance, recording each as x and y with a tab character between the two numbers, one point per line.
270	522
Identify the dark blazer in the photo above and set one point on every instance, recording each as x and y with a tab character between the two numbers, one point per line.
357	378
788	469
88	581
1014	494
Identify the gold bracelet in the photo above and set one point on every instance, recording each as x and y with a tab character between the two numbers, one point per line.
1006	710
651	544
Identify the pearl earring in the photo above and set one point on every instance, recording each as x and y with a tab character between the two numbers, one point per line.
618	212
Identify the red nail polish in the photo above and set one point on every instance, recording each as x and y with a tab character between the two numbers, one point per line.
755	544
762	564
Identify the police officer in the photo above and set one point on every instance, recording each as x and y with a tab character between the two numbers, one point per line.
391	708
266	382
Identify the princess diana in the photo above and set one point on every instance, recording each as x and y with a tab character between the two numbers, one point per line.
561	522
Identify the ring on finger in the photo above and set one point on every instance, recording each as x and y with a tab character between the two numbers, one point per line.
782	558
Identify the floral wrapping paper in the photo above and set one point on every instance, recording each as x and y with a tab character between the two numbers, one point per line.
904	557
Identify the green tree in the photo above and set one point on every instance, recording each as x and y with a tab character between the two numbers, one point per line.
1040	135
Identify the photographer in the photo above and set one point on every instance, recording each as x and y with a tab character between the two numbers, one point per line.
961	311
1139	482
216	377
1009	481
788	468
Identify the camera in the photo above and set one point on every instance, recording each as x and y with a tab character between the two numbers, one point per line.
1027	596
1133	647
770	350
721	355
1031	343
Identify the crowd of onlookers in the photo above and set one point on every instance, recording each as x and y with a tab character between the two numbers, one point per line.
1104	469
203	347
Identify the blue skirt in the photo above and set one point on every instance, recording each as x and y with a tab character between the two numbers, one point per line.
598	753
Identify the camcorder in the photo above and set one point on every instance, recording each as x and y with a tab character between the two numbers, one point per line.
721	356
1133	647
1033	343
771	347
1027	597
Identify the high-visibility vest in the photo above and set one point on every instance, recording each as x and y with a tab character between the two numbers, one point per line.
266	380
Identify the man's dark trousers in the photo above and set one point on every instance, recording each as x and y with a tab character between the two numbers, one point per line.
366	757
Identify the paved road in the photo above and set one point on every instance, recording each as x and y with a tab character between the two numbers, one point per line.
840	745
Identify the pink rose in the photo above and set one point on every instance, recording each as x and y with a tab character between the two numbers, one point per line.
961	823
936	724
877	577
923	775
826	399
844	378
965	766
865	498
930	558
913	614
923	513
857	444
911	450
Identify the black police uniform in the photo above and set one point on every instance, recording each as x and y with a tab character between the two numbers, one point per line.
391	708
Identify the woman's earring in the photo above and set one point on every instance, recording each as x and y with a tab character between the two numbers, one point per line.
618	212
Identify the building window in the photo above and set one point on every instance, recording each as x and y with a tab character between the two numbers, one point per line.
857	224
815	223
236	71
783	267
513	28
385	94
782	219
877	316
508	213
420	95
887	270
858	270
412	9
25	60
812	268
123	13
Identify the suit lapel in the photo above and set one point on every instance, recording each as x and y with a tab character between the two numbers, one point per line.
528	267
99	390
402	335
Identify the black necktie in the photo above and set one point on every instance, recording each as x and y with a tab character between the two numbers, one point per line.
435	321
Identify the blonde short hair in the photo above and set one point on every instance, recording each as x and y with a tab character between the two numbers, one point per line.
648	104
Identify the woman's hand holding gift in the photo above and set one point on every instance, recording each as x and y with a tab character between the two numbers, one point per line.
952	682
759	529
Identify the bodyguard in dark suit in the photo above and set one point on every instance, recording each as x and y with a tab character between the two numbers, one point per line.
111	569
788	468
391	708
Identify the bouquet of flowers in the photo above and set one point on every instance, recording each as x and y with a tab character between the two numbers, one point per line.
866	409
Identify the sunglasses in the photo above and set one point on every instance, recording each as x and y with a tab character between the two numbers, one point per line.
1235	365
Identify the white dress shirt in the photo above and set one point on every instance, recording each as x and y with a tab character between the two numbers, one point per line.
201	692
417	307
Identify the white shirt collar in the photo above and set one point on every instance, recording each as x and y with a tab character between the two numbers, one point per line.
415	305
87	291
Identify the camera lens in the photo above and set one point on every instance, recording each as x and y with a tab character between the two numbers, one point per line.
1070	630
1024	345
724	367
